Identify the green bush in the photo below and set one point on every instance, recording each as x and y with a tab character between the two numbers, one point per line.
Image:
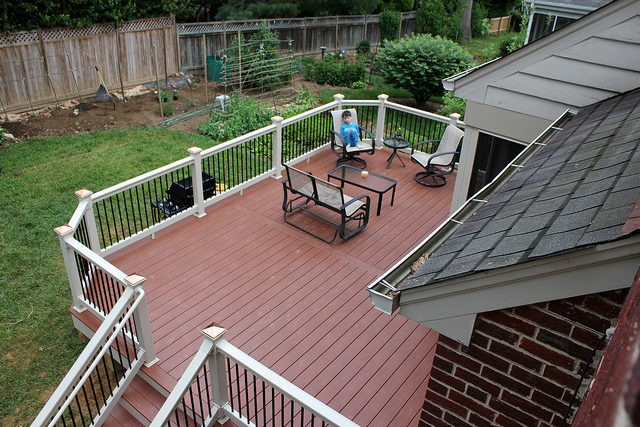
330	71
451	105
390	21
364	48
242	115
420	63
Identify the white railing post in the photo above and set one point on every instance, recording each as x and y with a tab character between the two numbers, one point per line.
382	107
196	180
217	371
89	220
454	118
65	232
141	319
277	147
338	98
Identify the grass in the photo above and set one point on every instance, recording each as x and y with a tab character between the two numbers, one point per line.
37	339
378	86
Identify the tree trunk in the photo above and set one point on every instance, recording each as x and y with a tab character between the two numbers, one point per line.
465	26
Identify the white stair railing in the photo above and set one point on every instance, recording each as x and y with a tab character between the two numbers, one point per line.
224	383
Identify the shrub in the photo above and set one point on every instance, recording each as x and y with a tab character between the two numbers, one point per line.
330	71
242	115
451	105
420	63
359	85
364	48
390	21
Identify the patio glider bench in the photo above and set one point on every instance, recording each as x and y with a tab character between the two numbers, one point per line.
324	200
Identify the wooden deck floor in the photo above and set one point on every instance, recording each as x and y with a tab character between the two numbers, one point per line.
293	302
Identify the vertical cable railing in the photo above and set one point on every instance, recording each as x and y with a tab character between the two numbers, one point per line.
91	387
223	383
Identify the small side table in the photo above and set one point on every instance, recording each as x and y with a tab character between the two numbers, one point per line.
395	143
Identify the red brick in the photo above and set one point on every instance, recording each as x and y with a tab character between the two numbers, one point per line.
477	394
561	377
558	421
575	314
545	353
513	413
527	406
479	340
515	355
618	296
453	344
496	331
506	421
470	404
448	379
437	387
547	401
429	420
447	404
455	421
505	381
544	319
478	421
511	322
442	364
457	358
603	307
488	358
536	381
563	344
478	381
585	336
432	409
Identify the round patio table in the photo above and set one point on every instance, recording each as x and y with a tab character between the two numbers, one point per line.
395	143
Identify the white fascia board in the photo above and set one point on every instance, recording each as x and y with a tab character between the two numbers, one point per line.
560	9
457	328
597	269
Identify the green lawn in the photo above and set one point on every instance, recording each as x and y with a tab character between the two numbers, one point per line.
37	339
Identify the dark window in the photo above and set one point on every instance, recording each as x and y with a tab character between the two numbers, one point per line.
492	155
545	24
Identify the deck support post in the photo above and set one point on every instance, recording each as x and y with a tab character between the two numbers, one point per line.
141	319
196	176
84	195
382	107
217	372
66	232
277	147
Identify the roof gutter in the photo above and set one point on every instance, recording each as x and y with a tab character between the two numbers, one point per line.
385	291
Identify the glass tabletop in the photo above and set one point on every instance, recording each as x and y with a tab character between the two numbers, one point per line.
369	180
396	142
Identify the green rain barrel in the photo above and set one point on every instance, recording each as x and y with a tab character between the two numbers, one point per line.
214	68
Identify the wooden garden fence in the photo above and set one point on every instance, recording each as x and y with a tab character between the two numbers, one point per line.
47	66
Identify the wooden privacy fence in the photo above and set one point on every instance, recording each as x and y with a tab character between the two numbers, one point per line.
46	66
500	24
42	67
307	35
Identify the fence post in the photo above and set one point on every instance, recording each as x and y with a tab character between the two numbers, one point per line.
382	107
196	178
338	97
277	147
217	371
90	220
141	319
65	232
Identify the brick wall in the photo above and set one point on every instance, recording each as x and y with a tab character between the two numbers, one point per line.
522	365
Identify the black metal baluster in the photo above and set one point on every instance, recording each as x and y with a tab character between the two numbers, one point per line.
246	393
230	383
255	399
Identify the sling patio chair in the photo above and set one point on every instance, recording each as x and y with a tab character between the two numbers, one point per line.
440	163
350	154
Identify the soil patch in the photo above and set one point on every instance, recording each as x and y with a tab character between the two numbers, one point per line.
141	110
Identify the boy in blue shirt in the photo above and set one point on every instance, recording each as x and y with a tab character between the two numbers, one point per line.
349	131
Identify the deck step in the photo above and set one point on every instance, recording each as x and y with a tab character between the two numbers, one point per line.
142	400
119	416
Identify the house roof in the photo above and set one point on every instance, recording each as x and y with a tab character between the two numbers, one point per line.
569	8
577	192
589	60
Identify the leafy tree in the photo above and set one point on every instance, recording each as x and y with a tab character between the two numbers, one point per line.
419	64
390	21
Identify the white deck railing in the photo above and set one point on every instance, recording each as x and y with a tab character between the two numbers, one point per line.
127	212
